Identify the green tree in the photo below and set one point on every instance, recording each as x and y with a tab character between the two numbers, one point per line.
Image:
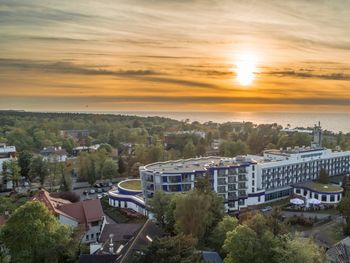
299	249
177	249
13	172
218	235
44	238
158	205
24	160
39	168
189	150
323	177
109	169
192	215
121	166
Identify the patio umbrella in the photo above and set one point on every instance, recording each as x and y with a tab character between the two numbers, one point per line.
314	201
296	201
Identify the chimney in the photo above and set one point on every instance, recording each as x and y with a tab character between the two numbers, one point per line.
111	246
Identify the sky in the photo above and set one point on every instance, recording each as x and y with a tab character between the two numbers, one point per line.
183	55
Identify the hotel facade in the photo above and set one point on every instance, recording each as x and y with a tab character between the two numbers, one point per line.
248	180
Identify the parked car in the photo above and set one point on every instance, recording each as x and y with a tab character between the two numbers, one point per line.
85	192
97	185
99	196
92	191
99	190
266	209
110	184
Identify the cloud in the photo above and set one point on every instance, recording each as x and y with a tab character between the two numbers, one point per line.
309	74
70	68
178	100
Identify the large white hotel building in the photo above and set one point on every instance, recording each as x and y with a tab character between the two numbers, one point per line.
251	179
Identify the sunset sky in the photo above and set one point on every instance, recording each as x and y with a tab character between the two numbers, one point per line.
162	55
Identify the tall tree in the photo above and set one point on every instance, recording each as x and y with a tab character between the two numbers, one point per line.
24	160
39	168
13	172
175	249
323	177
189	150
44	238
158	205
109	169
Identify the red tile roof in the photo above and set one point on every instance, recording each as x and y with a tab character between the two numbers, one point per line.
52	203
84	212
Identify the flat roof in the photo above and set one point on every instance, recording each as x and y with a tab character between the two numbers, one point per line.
134	184
318	187
196	164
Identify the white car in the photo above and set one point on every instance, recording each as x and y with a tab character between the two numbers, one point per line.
92	191
99	196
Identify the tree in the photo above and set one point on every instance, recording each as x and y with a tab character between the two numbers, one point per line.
241	245
192	214
180	248
109	169
218	235
299	249
24	160
324	176
344	209
121	166
5	173
44	238
13	172
189	150
39	168
158	205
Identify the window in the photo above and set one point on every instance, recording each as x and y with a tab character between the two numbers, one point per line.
332	199
241	202
95	223
259	199
305	192
253	190
315	196
338	197
92	236
253	182
297	191
324	198
87	237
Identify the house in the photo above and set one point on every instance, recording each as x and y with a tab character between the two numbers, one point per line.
133	238
113	237
6	153
88	149
75	134
87	214
340	252
54	154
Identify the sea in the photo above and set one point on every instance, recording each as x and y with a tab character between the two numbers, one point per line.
334	121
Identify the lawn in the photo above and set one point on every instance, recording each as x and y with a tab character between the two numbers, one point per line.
131	185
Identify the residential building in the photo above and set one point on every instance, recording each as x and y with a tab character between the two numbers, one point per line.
6	153
88	149
75	134
87	214
54	154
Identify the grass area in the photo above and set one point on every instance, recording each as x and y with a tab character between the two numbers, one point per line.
334	232
117	214
321	187
10	203
131	185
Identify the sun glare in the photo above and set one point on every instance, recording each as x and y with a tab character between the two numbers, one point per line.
245	69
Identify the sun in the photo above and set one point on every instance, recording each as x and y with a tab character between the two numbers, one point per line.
245	68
